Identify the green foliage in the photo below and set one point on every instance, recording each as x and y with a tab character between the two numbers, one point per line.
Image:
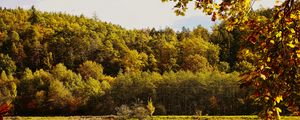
8	90
72	65
7	64
134	86
60	88
196	63
59	95
224	66
134	61
91	69
228	41
273	38
244	66
39	40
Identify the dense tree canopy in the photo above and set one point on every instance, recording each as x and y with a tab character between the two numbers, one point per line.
58	64
274	38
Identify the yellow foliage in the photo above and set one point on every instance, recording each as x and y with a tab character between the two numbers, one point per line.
278	98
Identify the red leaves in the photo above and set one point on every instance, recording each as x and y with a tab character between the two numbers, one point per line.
252	39
256	94
4	108
288	21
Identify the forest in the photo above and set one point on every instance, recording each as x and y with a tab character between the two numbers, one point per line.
60	64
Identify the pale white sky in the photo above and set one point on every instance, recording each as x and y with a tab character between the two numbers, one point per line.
127	13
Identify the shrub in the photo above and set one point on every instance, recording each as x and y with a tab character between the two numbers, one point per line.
160	110
124	111
140	112
150	107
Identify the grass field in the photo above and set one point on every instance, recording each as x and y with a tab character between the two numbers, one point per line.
153	118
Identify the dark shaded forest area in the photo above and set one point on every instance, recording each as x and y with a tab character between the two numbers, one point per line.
73	65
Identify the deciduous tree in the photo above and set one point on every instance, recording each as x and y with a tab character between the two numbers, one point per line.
276	39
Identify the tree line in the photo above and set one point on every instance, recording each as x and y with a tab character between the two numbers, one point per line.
59	64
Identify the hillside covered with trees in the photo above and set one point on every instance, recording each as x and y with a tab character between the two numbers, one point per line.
58	64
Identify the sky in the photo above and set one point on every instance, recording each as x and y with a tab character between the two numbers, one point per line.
130	14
